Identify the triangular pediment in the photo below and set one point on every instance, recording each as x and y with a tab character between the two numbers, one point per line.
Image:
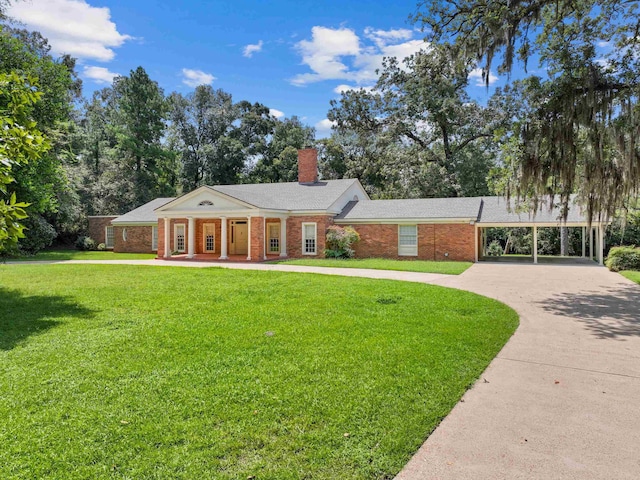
204	199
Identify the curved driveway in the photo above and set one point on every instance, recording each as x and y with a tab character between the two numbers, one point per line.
562	398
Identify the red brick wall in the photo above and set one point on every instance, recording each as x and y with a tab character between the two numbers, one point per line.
97	226
139	239
434	240
307	165
173	221
294	234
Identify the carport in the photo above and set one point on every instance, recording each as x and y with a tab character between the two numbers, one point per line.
494	213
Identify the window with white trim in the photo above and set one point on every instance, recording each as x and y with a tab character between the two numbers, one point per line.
154	238
209	237
274	238
408	240
109	236
124	234
179	241
309	238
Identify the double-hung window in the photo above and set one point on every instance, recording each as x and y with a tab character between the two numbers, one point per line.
109	236
408	240
154	238
274	238
309	238
180	237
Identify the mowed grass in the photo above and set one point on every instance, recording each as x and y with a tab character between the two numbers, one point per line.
140	372
449	267
631	275
50	255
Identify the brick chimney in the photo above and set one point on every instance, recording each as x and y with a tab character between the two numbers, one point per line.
308	165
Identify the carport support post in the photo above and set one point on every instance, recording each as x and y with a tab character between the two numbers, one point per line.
584	242
600	245
535	244
223	238
591	243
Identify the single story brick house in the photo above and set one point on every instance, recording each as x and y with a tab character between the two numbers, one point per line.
257	222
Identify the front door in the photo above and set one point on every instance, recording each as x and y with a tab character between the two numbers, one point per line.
238	238
208	233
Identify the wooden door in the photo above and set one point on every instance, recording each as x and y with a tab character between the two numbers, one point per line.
239	241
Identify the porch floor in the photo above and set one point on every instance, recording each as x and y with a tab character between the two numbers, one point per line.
215	257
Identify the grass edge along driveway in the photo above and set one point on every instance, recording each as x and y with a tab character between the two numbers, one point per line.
422	266
116	371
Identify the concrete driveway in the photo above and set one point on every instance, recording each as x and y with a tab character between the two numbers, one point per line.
562	399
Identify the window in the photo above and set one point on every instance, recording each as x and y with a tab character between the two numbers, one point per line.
124	234
206	203
154	238
208	232
309	231
109	236
180	237
408	240
274	238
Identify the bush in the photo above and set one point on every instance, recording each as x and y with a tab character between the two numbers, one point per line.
494	249
623	258
85	243
101	247
339	242
38	234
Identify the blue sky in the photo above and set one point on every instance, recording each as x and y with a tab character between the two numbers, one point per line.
293	56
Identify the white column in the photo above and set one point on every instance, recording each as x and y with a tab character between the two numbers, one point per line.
535	244
167	237
591	251
601	244
191	246
223	238
248	237
584	242
264	236
283	237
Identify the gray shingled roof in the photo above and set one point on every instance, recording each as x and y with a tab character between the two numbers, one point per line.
495	210
143	214
288	196
427	208
483	209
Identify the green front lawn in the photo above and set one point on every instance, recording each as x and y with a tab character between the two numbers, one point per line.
113	371
82	255
450	268
631	275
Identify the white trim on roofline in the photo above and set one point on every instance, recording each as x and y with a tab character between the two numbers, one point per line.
197	191
533	223
134	224
412	221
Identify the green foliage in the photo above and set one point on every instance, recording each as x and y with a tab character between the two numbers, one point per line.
101	247
494	249
340	242
623	258
124	378
417	133
20	143
85	243
38	235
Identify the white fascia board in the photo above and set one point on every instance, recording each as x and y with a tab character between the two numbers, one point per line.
303	213
134	224
223	213
409	221
532	224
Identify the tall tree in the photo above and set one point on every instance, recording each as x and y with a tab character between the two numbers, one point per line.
419	110
580	132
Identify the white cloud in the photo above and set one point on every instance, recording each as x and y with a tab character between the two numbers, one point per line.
340	54
250	49
72	26
323	127
276	113
194	78
99	74
476	74
346	88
